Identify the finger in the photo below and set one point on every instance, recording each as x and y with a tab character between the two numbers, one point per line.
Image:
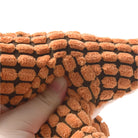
3	109
31	115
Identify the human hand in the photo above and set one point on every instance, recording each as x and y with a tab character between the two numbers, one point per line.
25	120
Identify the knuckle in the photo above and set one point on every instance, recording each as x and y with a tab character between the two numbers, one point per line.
47	98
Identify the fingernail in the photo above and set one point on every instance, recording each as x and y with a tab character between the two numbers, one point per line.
59	86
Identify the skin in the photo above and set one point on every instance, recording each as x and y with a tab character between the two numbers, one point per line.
21	122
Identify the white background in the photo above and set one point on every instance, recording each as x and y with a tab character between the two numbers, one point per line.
111	18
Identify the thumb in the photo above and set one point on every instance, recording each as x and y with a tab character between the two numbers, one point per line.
31	115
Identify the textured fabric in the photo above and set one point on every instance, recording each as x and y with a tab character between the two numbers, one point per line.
97	70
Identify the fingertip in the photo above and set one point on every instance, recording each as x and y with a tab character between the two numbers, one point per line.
59	86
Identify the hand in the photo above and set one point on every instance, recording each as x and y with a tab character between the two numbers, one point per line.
25	120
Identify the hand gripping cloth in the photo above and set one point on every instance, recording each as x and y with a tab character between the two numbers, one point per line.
97	70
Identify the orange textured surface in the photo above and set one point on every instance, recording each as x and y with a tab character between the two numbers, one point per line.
97	70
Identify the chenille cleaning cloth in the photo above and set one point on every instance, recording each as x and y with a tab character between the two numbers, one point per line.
97	70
